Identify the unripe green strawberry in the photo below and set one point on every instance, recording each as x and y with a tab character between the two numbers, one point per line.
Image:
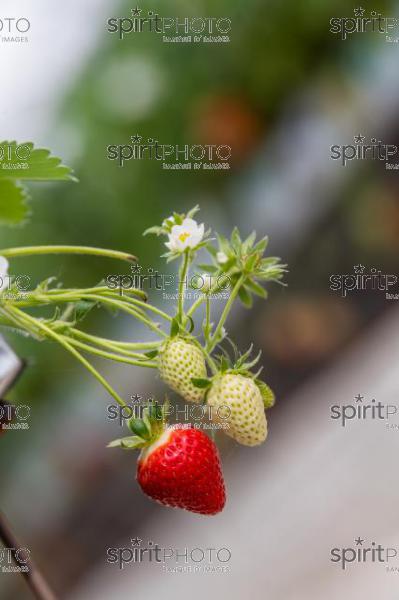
179	362
241	408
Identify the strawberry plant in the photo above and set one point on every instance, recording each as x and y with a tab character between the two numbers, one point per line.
189	355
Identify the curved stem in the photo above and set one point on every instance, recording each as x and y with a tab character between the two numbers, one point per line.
110	355
196	305
207	319
35	323
37	250
146	306
122	347
207	356
119	304
213	341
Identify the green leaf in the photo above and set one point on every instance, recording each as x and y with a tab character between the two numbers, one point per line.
191	213
24	162
224	364
127	443
211	249
201	383
249	242
82	309
40	165
174	328
245	297
256	288
267	393
13	202
156	230
208	268
151	354
236	240
192	324
261	245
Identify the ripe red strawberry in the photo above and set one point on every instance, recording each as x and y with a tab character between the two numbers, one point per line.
178	466
182	469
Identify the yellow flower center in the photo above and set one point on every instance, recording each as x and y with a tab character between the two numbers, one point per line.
183	236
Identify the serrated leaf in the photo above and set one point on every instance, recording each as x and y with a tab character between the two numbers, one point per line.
40	165
14	209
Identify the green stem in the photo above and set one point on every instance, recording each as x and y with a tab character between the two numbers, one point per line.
120	305
122	347
99	289
35	323
36	250
212	342
147	306
207	319
207	356
182	276
196	305
109	355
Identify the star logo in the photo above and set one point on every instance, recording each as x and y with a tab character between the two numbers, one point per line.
359	269
135	268
136	541
359	139
359	12
136	11
359	398
136	139
359	541
135	398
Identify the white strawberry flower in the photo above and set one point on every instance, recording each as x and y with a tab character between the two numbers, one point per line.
222	258
187	235
4	281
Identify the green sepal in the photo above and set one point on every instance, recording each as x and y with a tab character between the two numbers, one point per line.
201	383
245	297
174	327
267	393
127	443
140	427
